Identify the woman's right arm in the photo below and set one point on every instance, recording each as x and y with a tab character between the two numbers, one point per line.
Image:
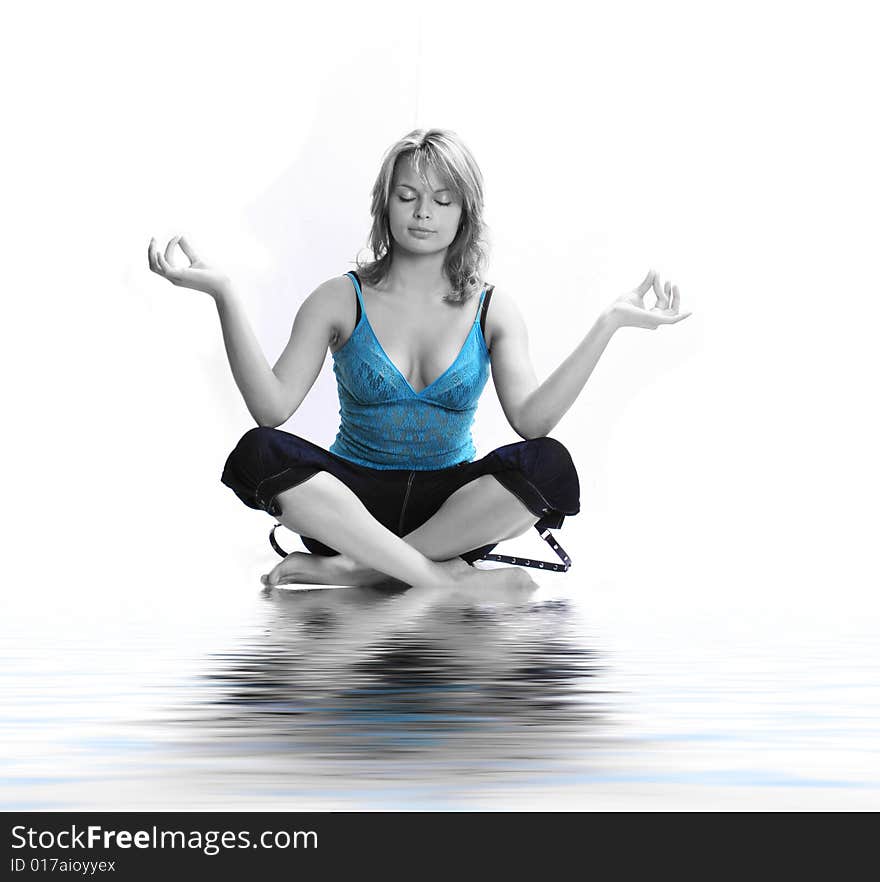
316	325
271	395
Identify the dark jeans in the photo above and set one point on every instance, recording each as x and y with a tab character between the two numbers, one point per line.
539	472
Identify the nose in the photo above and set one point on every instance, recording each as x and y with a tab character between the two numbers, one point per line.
423	207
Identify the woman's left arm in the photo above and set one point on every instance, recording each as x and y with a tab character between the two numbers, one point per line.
534	409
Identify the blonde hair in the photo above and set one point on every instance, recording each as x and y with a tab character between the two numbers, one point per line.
445	153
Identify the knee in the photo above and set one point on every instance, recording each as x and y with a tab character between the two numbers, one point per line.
550	452
249	454
549	466
268	446
549	446
256	439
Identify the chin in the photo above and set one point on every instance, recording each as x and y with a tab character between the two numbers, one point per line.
430	244
421	246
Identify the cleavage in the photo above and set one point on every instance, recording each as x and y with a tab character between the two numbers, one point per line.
420	357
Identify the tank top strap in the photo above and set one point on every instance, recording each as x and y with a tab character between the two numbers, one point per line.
357	287
480	307
360	300
484	307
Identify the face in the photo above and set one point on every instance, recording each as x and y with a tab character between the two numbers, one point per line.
423	218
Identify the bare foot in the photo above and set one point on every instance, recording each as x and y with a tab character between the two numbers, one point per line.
460	579
304	568
504	583
455	568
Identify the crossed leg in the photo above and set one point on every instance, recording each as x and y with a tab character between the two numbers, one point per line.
479	513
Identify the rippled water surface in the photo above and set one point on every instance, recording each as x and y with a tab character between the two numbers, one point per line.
363	699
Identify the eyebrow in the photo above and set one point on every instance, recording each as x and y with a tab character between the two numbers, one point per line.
411	187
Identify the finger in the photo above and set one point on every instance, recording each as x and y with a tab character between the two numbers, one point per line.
169	250
649	280
167	270
151	260
155	257
676	299
662	302
187	249
667	290
154	254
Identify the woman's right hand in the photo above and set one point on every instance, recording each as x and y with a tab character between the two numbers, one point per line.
198	275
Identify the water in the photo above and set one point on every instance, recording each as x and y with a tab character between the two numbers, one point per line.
363	699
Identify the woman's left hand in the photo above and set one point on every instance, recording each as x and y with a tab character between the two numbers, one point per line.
629	310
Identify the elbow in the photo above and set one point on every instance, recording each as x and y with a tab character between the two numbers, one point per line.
530	431
531	420
530	436
270	420
274	414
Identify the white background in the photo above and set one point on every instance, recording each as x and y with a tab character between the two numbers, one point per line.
729	461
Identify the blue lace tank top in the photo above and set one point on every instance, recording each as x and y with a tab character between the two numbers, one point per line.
385	424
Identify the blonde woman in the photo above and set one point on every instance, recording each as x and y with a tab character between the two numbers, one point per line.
413	340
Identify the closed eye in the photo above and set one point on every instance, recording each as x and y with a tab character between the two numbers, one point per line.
412	199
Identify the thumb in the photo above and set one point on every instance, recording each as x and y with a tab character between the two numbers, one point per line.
674	319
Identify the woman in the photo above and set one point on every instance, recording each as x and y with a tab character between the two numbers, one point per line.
398	494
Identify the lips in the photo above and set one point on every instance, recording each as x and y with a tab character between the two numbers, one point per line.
420	230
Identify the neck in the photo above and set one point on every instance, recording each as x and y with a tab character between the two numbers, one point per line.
421	276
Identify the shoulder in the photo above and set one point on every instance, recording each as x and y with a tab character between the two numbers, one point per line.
339	289
332	304
503	317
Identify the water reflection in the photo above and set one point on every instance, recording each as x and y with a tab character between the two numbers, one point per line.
350	699
351	688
